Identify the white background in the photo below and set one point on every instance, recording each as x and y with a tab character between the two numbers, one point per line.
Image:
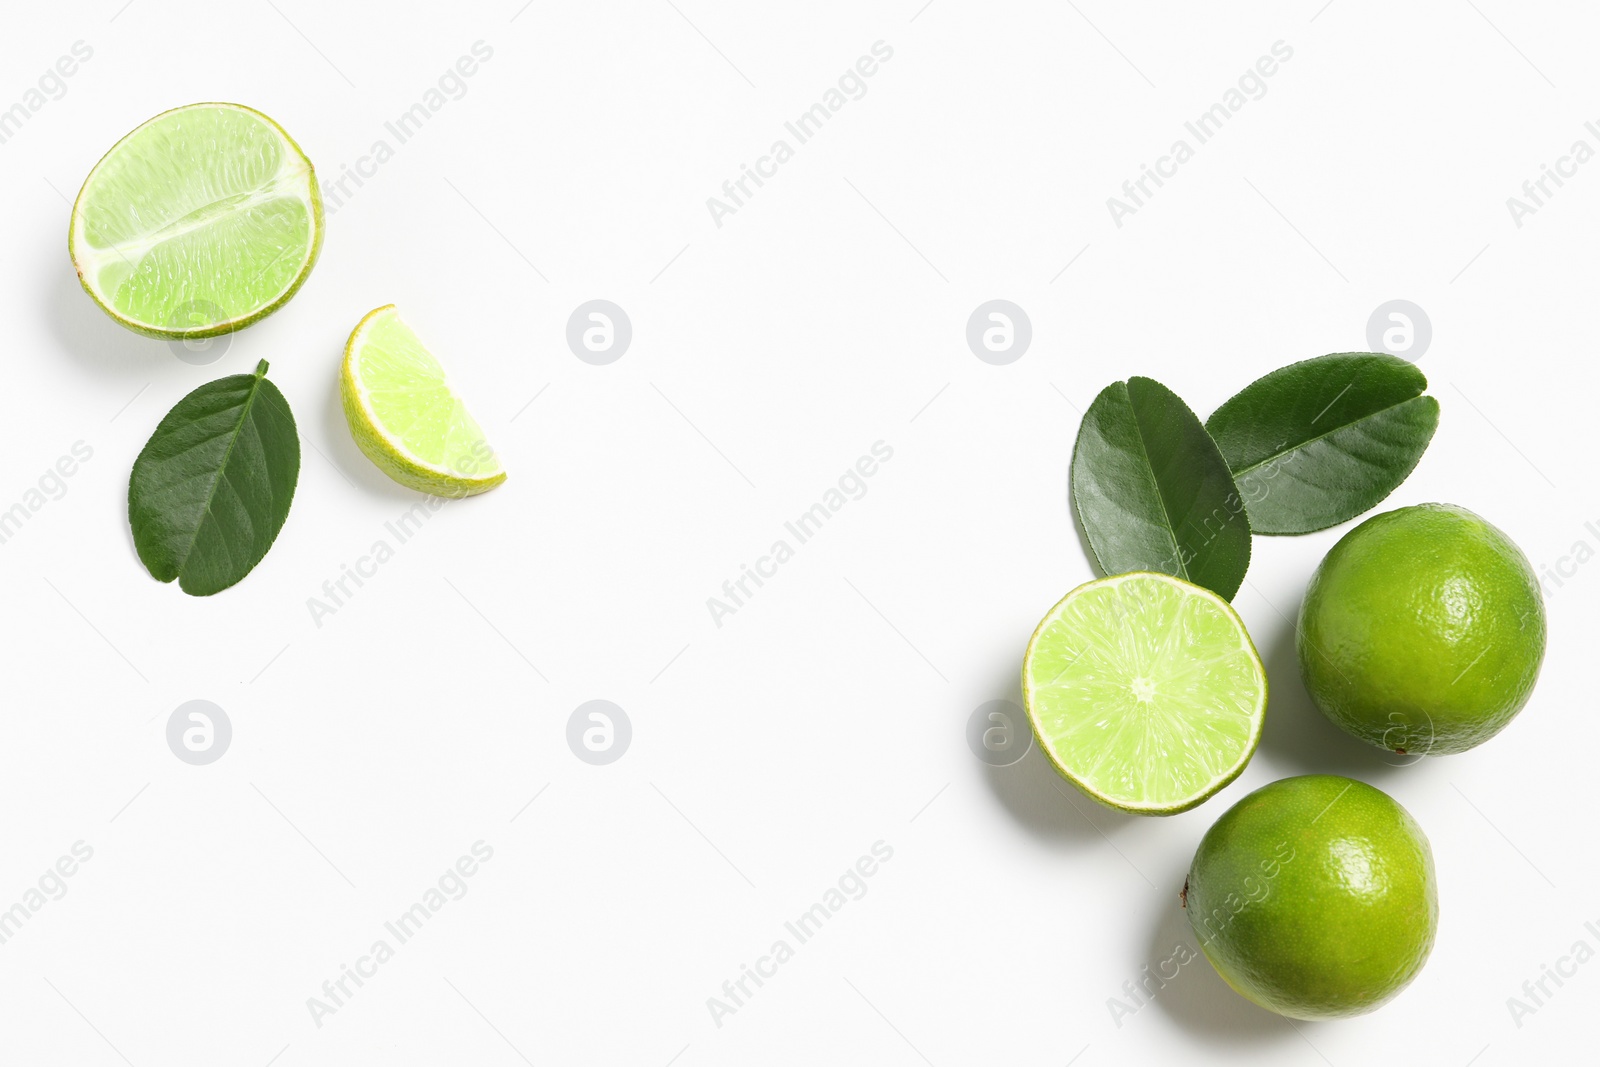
768	354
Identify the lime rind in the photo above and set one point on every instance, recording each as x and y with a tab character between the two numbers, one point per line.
404	415
240	233
1423	631
1145	692
1315	897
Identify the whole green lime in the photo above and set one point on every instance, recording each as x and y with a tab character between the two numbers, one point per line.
1314	897
1422	631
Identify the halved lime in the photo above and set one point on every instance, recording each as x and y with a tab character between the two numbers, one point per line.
405	416
201	221
1145	692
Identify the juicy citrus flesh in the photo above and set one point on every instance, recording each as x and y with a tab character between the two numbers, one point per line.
201	221
405	416
1315	897
1145	692
1422	631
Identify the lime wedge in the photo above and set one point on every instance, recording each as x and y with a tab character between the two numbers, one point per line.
199	222
1145	692
404	415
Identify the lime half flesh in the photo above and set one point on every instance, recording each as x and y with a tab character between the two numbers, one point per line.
406	417
201	221
1145	692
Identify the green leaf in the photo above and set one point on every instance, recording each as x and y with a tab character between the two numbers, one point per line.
1320	441
1153	492
212	487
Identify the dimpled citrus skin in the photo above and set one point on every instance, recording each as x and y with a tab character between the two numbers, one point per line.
1314	897
1422	631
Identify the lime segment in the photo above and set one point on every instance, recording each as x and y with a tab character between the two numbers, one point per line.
405	416
1145	692
201	221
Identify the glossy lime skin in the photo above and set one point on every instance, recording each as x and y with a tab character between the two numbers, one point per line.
1422	631
1314	897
